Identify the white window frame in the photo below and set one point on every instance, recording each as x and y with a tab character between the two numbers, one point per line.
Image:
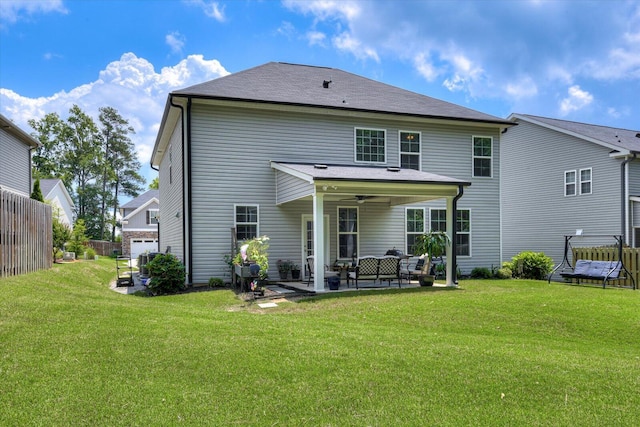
340	233
150	216
474	157
409	153
589	181
574	183
413	233
459	233
235	217
355	145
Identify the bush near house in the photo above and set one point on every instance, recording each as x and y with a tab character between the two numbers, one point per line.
531	265
167	275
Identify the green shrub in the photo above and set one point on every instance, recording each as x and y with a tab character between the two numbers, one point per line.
216	282
531	265
504	273
90	253
167	275
481	273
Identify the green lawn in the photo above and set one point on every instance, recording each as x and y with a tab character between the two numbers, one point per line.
491	353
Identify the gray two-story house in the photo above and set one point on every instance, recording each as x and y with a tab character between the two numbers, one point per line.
15	157
325	163
565	178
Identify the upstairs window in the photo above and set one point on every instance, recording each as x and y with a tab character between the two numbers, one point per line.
585	181
246	222
370	145
570	183
152	216
410	150
482	156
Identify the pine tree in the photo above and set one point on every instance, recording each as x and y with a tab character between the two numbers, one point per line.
36	194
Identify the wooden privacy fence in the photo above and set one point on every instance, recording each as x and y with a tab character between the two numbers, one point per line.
26	240
630	259
105	248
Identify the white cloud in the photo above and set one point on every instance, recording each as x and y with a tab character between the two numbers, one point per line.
316	38
346	42
286	29
13	10
577	100
525	87
326	9
176	41
130	85
211	9
425	67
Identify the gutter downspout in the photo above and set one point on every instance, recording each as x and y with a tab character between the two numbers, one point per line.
625	198
188	204
31	170
454	268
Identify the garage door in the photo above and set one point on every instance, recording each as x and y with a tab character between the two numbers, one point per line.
139	246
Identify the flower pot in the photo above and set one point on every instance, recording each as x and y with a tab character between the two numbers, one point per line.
295	274
426	279
334	283
283	275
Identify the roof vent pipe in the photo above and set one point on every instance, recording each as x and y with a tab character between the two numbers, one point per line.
325	84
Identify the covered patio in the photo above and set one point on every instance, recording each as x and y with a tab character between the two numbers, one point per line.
392	186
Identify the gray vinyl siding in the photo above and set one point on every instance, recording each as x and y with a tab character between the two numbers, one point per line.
290	188
231	154
171	196
535	212
15	163
634	178
139	220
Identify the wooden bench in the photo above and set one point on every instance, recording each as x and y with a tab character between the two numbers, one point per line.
376	268
595	270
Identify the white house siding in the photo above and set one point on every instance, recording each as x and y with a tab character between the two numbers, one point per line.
60	204
231	154
290	188
15	164
171	196
535	213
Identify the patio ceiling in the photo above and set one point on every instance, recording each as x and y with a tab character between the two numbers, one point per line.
389	185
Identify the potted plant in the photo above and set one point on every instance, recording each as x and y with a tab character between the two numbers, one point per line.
253	258
295	272
430	245
284	266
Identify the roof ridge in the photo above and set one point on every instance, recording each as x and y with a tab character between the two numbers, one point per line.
576	122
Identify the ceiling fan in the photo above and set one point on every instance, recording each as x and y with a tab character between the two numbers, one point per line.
359	199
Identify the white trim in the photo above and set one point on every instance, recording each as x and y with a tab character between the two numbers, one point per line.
590	181
400	152
235	212
303	238
153	199
357	233
473	157
283	168
575	183
355	151
406	232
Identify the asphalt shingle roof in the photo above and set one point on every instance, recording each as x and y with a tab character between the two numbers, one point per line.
622	138
141	199
292	84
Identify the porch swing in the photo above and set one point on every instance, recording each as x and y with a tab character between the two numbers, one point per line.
605	269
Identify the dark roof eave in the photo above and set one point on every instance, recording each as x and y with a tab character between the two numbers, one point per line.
506	123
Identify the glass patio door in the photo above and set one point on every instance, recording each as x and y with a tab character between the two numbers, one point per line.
308	243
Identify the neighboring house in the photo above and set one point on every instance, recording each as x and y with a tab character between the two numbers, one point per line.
55	192
277	148
560	176
140	224
15	157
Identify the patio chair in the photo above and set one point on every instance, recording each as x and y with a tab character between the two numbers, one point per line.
389	269
366	268
327	271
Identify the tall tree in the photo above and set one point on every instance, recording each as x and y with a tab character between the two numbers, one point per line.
120	168
36	194
52	132
155	184
82	161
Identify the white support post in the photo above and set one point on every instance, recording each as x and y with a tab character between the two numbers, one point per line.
318	242
451	223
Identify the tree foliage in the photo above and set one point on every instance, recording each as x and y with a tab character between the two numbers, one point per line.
96	162
36	194
155	184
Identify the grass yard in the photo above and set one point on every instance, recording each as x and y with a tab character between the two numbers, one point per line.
492	353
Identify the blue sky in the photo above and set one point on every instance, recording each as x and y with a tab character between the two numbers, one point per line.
574	60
